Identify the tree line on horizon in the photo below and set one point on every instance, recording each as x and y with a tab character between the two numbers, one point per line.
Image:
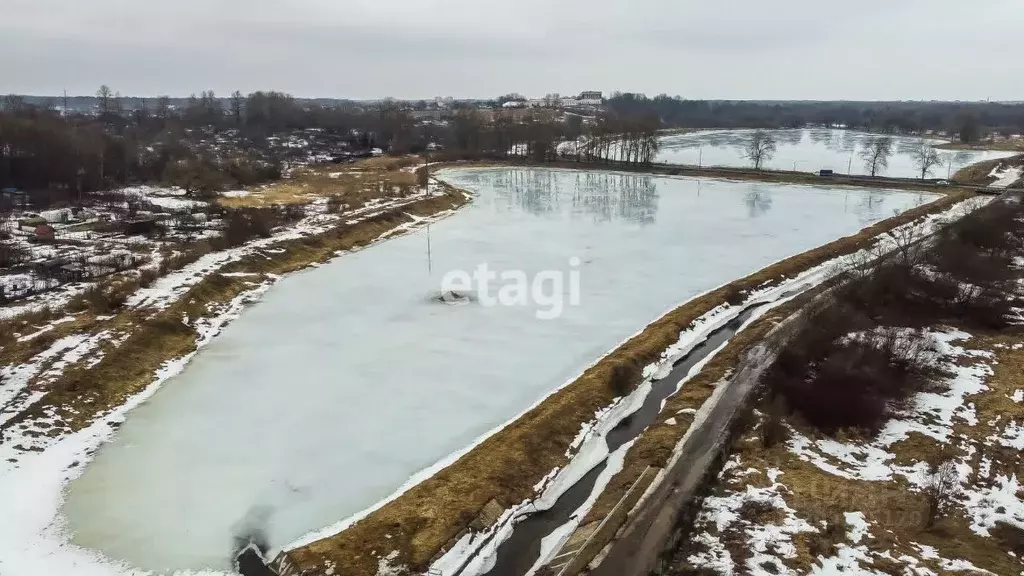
968	121
59	155
210	143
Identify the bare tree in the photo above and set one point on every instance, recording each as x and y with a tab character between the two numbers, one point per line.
905	239
925	158
237	105
876	155
942	488
163	107
13	103
106	98
761	148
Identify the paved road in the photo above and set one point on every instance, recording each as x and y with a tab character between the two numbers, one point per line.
642	540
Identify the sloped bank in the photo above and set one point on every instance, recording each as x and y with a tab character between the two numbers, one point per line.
473	493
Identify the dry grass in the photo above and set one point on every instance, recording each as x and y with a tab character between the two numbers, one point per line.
978	174
277	194
354	184
13	352
899	513
504	468
996	405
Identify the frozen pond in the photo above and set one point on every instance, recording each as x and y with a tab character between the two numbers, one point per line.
812	149
348	379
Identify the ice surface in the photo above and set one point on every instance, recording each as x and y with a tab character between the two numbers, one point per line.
350	378
810	150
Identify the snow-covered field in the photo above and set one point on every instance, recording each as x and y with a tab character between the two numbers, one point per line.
348	380
1005	177
811	150
949	416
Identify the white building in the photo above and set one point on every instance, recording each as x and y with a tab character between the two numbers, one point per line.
592	98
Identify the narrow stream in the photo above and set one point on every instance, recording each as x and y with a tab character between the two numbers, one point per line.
519	553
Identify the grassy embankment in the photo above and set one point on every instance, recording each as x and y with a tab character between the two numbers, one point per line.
152	337
502	471
978	174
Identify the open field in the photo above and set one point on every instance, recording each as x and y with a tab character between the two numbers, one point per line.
351	185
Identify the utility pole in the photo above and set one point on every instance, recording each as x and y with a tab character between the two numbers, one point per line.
64	111
700	157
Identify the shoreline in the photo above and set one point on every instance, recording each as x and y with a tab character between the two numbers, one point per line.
228	291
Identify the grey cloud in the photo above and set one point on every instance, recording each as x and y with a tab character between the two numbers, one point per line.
873	49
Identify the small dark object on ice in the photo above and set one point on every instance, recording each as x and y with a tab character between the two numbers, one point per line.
453	297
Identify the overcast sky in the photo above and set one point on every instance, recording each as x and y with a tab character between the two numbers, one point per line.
741	49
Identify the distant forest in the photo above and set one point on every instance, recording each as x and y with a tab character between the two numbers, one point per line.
907	117
207	143
969	120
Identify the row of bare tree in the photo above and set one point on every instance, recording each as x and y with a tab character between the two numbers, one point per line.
627	140
761	148
539	136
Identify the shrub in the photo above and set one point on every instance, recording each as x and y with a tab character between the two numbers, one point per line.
100	299
734	296
852	382
335	204
941	490
244	224
43	341
773	428
823	544
755	510
147	277
623	377
842	367
1010	537
293	212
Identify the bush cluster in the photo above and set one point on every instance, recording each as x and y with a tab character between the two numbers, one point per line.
855	359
